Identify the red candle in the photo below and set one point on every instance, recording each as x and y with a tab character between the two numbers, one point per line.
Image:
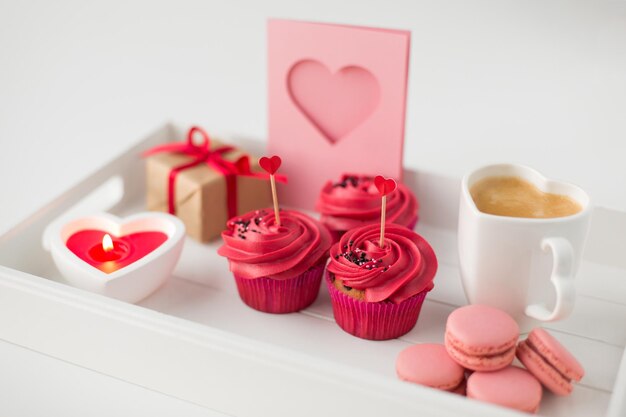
108	254
109	250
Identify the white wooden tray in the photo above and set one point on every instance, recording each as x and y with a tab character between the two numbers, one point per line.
195	340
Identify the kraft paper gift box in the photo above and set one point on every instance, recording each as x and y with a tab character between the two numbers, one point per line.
337	98
200	193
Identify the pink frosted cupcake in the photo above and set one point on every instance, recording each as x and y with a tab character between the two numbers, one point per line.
278	269
377	293
354	201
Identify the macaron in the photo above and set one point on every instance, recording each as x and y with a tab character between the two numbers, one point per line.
429	364
481	338
553	365
511	387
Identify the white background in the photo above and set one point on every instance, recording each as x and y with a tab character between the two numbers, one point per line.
537	82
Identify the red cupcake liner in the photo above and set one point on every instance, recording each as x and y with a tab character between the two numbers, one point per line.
374	321
282	296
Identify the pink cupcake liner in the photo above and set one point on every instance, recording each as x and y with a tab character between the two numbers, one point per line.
374	321
282	296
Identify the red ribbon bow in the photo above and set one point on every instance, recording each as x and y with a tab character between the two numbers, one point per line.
203	154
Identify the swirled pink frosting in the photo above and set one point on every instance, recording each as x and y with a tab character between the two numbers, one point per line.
256	247
354	202
404	266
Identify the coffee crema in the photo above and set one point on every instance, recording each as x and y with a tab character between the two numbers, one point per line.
515	197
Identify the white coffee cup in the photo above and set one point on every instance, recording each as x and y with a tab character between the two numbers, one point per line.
524	266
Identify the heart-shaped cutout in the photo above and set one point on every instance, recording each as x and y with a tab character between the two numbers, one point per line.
271	164
335	103
384	185
156	241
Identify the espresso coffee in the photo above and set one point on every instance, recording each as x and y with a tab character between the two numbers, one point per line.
515	197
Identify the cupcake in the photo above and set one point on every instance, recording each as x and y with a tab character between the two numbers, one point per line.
377	293
278	269
354	202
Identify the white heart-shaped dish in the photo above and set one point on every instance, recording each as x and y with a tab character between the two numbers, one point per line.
133	282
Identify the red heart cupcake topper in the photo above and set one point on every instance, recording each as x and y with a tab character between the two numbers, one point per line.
385	185
271	164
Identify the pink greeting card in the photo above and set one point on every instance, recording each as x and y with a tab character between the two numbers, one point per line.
337	97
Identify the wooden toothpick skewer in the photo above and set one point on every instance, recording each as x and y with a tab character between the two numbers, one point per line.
381	243
275	199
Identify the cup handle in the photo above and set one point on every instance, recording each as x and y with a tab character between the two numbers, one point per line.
562	278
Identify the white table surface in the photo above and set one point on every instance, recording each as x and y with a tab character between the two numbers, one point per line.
33	384
540	83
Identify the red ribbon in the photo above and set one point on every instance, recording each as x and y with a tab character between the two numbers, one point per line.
203	154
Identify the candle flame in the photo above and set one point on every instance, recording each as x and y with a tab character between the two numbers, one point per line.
107	243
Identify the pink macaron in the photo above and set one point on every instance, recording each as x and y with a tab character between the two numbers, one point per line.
429	364
481	338
547	359
511	387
